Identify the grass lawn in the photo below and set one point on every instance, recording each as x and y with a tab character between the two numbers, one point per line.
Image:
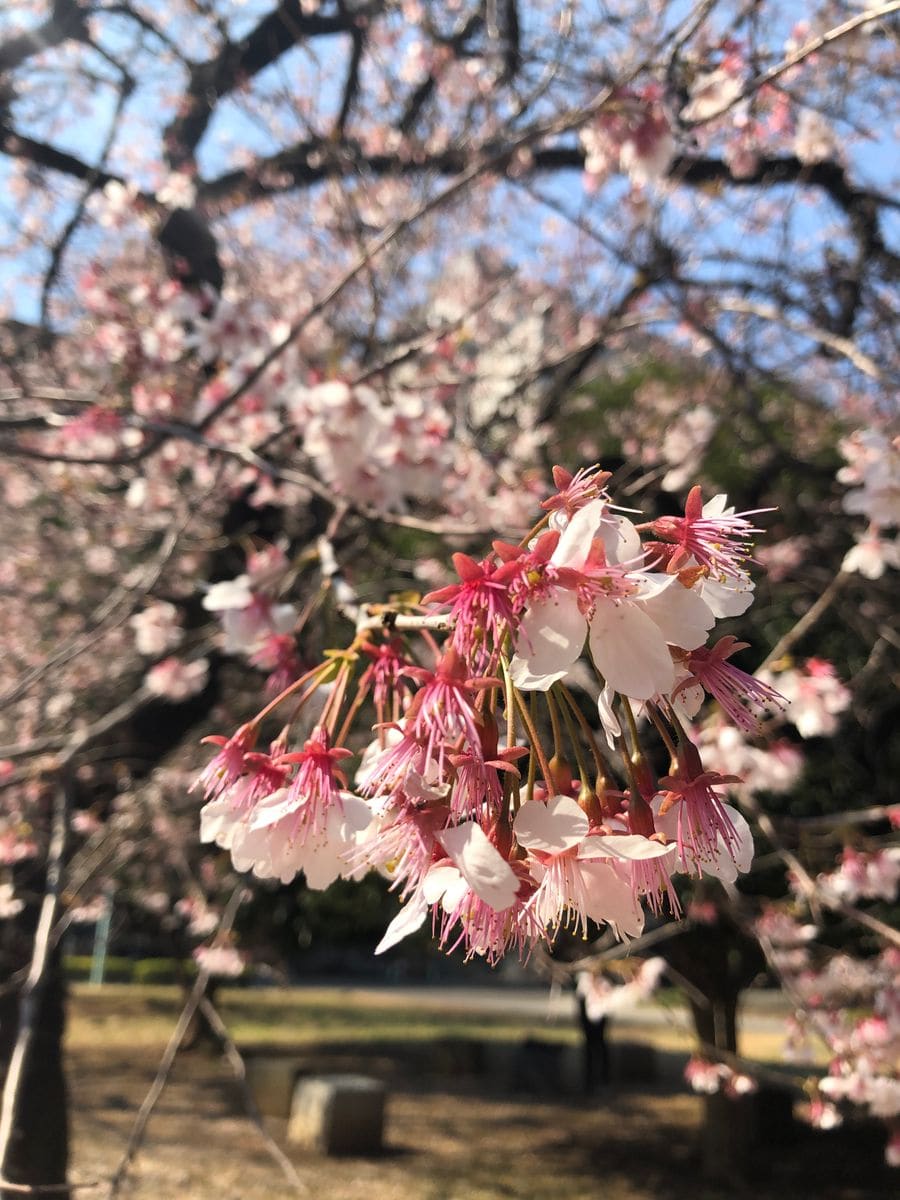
290	1016
124	1014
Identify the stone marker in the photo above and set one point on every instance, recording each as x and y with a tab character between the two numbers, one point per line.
338	1114
271	1079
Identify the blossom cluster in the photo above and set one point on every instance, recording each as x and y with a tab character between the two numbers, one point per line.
488	796
634	132
849	1005
708	1077
389	441
866	876
376	453
873	474
602	996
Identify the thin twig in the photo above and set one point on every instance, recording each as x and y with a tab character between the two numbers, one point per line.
813	46
45	1189
845	346
806	622
95	625
170	1053
816	895
239	1069
856	816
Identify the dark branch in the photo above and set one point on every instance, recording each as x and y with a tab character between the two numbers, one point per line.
278	32
190	249
351	87
424	90
42	154
512	55
69	20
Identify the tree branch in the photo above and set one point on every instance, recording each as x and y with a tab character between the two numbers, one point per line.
278	32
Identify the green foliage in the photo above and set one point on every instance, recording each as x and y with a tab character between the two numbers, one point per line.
143	971
77	967
163	970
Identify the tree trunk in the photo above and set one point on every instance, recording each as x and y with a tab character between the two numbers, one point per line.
720	960
39	1148
729	1126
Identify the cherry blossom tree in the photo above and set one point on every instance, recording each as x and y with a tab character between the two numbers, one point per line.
302	297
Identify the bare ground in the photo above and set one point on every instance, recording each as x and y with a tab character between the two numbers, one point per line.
446	1142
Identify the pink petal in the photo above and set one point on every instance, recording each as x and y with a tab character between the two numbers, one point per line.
612	900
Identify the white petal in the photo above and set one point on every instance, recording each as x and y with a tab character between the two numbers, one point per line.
553	827
575	544
410	918
274	808
621	540
608	718
454	894
718	506
249	848
322	863
437	881
729	599
652	583
727	864
230	593
551	639
612	900
629	847
353	818
218	819
681	615
526	681
630	651
481	864
686	700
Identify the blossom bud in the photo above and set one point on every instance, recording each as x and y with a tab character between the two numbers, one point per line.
640	816
589	803
560	776
689	761
502	836
644	777
489	735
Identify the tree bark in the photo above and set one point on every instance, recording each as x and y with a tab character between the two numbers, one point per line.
39	1149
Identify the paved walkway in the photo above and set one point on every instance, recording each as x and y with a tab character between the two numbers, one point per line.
762	1011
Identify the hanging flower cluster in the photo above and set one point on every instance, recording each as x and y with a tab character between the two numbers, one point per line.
491	795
